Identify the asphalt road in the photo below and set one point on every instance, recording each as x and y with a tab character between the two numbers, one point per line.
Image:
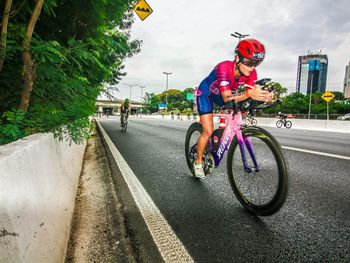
313	225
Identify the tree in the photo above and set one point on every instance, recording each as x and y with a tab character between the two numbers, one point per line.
152	101
173	95
28	63
4	25
338	95
279	89
70	49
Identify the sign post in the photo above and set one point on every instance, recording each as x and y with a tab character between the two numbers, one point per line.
328	96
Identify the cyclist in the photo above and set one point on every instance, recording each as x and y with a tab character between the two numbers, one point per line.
124	109
282	116
219	85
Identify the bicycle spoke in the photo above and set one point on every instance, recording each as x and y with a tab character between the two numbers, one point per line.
257	187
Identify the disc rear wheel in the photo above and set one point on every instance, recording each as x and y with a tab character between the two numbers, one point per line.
192	135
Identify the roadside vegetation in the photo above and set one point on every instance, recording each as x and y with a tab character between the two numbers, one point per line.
55	56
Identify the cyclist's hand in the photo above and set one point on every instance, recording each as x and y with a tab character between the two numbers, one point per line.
258	94
270	96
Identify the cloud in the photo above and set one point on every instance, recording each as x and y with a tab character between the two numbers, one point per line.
189	38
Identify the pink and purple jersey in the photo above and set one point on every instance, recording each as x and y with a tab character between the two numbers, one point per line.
221	78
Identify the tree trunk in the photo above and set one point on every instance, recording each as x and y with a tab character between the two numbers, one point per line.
28	63
4	25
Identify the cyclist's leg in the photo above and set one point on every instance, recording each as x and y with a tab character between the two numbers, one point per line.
205	105
205	110
121	118
208	127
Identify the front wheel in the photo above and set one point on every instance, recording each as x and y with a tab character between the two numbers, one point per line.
288	124
279	123
261	186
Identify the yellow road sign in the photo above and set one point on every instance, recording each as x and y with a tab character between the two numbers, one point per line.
142	9
328	96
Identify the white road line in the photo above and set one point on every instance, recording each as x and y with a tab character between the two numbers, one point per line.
169	246
318	153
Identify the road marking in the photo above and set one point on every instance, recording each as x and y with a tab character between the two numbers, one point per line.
318	153
169	246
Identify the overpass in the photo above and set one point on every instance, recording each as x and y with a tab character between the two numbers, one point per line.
113	106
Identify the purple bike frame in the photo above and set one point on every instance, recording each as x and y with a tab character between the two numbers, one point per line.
233	128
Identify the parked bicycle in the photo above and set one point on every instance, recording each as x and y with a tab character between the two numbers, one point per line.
256	167
283	121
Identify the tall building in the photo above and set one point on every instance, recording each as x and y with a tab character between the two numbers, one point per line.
346	89
312	72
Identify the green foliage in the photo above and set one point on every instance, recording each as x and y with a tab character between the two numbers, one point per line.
176	100
173	95
298	103
12	126
279	89
152	102
338	95
77	46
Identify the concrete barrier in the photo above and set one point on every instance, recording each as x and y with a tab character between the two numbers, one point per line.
38	184
306	124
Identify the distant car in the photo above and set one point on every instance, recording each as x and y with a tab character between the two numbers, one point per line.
345	117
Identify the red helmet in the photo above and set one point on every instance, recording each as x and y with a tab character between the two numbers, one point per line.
250	52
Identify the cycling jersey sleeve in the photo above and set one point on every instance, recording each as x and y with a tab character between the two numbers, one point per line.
223	72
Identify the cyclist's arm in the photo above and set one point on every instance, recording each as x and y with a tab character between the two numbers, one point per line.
228	96
251	92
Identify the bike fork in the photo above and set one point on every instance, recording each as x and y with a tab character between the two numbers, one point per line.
245	142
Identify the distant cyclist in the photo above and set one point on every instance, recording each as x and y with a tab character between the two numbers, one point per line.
282	116
219	85
124	110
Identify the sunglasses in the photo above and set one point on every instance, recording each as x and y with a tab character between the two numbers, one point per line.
250	63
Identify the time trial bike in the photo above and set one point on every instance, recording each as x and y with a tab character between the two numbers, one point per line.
283	122
250	120
256	167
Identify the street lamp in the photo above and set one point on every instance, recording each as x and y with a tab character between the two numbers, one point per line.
142	87
130	86
239	35
166	93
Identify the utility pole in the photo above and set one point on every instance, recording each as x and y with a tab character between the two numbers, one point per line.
130	86
239	35
166	93
142	87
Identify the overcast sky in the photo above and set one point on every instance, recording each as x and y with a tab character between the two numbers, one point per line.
189	37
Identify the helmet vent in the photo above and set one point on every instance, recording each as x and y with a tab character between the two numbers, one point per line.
248	49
